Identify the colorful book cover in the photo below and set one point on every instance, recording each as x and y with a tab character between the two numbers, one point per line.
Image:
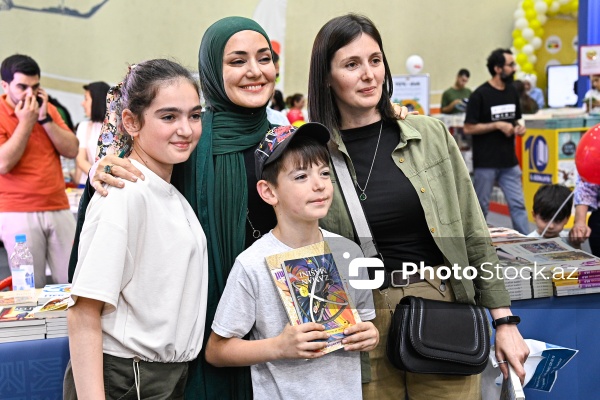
18	316
312	290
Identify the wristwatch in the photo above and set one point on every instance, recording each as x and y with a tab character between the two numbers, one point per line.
45	120
511	319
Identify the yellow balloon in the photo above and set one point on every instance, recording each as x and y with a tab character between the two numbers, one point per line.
527	67
539	32
548	2
521	58
298	123
534	24
564	9
528	4
574	5
516	33
519	43
530	14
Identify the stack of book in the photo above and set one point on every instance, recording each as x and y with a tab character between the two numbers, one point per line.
517	277
557	267
16	324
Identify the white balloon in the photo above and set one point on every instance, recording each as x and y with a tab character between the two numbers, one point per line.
519	13
541	7
542	18
514	50
528	49
519	75
554	6
532	58
521	23
414	64
536	42
528	34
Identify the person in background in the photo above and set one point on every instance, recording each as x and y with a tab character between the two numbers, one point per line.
62	110
277	102
123	338
493	118
528	105
295	105
592	97
33	201
533	91
94	107
546	203
587	197
453	99
417	197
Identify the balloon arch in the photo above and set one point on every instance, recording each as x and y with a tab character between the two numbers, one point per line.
530	18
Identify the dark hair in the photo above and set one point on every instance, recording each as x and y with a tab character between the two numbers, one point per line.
302	151
18	63
278	103
528	104
497	59
464	72
98	92
548	198
334	35
291	100
275	57
142	82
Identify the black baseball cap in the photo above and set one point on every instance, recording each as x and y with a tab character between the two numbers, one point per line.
277	139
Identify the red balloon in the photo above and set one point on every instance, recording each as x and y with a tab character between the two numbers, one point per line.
587	156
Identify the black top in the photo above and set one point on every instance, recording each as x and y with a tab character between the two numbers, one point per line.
260	213
392	207
488	104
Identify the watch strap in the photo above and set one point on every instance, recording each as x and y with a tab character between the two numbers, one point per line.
511	319
45	120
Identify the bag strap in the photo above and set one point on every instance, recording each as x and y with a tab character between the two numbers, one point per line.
357	214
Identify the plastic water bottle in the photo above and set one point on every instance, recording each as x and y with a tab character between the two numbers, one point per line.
21	265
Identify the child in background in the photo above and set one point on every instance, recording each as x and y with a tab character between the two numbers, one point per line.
141	282
295	103
293	170
592	97
546	202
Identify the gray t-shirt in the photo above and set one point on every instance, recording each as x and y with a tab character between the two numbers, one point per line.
251	303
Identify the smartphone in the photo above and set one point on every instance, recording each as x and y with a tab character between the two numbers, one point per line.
39	100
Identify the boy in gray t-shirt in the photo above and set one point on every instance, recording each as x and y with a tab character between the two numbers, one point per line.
293	168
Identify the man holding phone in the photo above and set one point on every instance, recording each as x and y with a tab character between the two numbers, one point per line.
33	136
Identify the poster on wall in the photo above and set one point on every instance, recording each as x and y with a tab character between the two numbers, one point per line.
412	91
589	60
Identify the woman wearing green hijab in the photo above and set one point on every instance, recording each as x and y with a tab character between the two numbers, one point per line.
237	76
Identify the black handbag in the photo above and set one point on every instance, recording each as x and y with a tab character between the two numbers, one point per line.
436	337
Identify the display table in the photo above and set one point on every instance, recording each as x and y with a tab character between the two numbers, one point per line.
570	321
33	369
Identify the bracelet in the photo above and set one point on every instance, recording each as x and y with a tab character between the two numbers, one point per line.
511	319
45	120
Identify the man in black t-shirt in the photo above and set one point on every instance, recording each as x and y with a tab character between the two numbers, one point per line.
492	118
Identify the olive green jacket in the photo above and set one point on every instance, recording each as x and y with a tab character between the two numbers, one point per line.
438	173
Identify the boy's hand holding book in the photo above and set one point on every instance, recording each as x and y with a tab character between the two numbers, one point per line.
299	341
361	337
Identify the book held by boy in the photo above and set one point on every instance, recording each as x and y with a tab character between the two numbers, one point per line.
312	290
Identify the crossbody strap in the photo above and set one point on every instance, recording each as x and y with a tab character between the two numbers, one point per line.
357	214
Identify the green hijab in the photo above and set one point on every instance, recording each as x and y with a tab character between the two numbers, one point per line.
214	181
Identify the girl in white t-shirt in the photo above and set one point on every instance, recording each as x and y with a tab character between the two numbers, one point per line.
140	286
94	106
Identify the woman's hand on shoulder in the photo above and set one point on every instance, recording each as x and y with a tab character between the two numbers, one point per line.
109	169
402	111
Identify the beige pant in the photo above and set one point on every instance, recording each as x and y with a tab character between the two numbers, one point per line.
50	237
388	382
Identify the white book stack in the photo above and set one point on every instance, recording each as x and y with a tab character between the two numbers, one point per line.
16	325
56	327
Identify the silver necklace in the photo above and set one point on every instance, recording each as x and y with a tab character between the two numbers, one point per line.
255	232
363	195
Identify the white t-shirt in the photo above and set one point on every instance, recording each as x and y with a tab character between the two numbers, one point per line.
594	94
251	303
143	253
89	142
